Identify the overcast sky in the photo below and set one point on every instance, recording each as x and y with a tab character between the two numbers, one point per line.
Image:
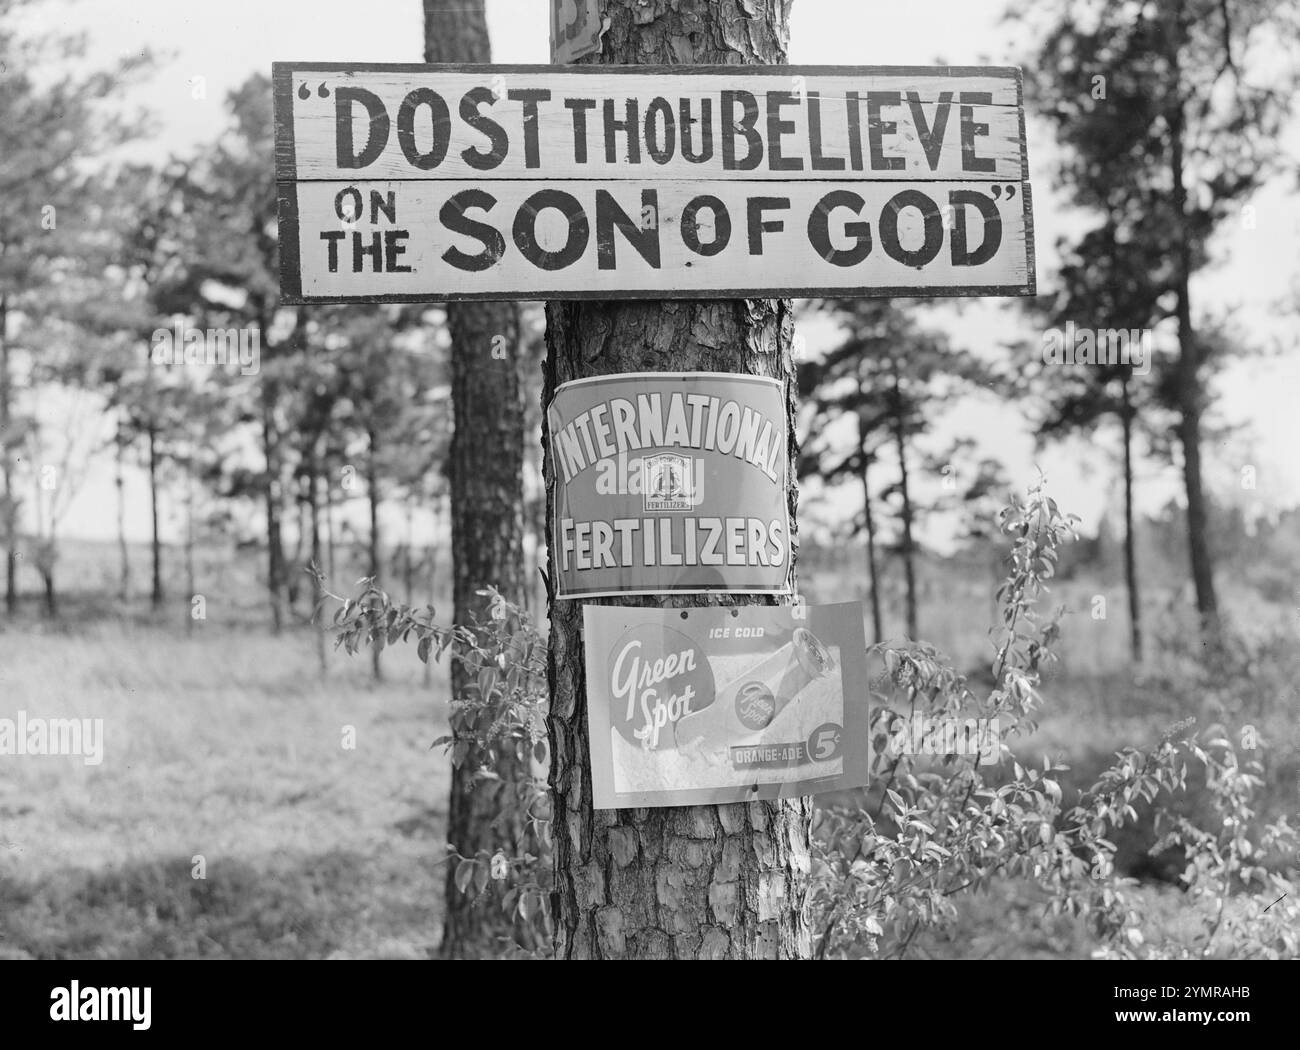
225	41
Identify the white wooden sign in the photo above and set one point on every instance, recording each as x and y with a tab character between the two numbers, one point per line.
413	183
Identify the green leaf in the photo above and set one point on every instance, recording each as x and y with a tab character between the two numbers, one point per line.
530	903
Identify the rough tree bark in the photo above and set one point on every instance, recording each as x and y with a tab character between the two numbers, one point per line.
486	480
704	881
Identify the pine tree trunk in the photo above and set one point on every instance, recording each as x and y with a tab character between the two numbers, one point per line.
705	881
329	522
191	580
51	601
302	536
433	572
156	588
372	498
1130	540
119	484
8	509
1188	375
908	547
487	454
869	525
274	538
317	590
408	556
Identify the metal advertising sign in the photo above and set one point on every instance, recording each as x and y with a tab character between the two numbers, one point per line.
670	482
713	705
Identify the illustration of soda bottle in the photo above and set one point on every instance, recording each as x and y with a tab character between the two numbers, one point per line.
746	706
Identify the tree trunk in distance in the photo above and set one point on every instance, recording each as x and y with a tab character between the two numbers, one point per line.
486	479
302	536
870	528
1189	379
408	556
433	574
274	539
8	510
156	587
372	498
693	882
905	490
317	589
329	522
119	485
1130	540
190	579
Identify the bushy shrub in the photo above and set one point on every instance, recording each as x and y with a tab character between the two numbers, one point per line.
499	714
892	863
892	866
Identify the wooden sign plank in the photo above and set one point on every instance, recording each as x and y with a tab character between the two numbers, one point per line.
576	125
420	240
418	183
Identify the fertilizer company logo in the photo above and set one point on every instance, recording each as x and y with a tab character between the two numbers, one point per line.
671	483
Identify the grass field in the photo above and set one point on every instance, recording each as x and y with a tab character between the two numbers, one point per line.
226	743
227	746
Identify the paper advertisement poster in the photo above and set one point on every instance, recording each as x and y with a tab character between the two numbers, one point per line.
714	705
670	482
